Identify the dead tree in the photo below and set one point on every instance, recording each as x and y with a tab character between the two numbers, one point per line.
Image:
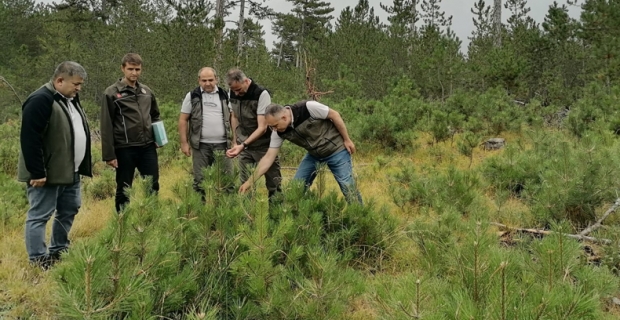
497	22
311	90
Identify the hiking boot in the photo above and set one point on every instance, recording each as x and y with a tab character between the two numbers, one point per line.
42	262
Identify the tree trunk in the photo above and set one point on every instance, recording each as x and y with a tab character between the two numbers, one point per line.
280	54
240	30
300	45
219	20
497	22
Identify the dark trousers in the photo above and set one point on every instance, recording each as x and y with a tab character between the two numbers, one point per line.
205	157
143	158
273	178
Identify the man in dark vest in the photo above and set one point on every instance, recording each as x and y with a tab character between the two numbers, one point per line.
206	110
251	133
322	132
55	151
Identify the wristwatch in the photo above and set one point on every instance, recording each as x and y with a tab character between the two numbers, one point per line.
245	146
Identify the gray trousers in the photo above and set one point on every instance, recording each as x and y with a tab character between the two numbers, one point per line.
273	178
205	157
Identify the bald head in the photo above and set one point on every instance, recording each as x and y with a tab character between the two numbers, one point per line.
207	79
208	71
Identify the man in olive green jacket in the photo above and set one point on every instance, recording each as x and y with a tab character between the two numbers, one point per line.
55	151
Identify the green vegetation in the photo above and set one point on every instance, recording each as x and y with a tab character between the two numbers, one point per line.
426	243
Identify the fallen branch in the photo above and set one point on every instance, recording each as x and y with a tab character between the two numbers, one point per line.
549	232
599	223
295	168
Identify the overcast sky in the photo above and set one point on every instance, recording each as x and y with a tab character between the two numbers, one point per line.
460	10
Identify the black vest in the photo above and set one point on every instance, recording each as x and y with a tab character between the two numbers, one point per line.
319	136
245	108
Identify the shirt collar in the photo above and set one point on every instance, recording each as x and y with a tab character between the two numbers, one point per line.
121	85
214	92
292	117
70	100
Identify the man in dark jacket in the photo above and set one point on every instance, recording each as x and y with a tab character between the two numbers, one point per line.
127	140
322	132
206	110
55	151
250	132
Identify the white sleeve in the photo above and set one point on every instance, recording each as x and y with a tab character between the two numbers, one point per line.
263	101
276	140
317	110
186	106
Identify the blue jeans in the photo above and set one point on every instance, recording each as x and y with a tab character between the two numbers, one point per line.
339	164
65	201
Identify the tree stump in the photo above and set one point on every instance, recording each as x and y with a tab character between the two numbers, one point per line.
494	144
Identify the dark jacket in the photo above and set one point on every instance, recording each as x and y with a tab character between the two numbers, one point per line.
195	117
126	118
319	136
245	109
47	139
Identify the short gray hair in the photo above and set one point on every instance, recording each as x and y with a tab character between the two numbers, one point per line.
69	69
207	68
235	75
273	110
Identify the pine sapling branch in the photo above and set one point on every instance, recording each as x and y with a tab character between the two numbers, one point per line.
417	299
116	252
503	269
561	250
476	297
550	252
88	294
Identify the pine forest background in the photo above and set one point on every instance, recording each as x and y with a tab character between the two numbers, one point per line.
439	235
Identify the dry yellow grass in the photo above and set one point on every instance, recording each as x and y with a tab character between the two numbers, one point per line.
29	292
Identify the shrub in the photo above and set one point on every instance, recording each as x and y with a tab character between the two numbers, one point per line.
300	259
102	186
10	148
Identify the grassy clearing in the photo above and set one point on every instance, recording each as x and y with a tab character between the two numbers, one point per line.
30	293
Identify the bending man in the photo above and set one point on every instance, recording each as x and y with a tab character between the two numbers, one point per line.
318	129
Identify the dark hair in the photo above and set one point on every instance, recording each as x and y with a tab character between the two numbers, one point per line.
69	69
131	58
273	110
235	75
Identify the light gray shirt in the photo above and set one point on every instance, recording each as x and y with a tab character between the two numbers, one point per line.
213	130
264	100
316	109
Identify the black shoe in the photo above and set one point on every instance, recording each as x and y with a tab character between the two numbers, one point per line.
55	257
43	262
